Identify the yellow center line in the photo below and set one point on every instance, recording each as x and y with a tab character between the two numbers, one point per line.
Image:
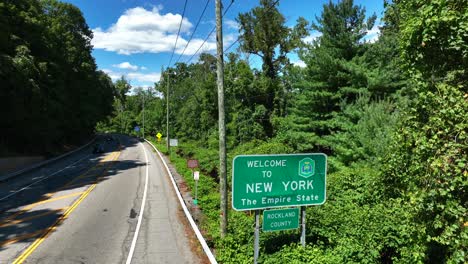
46	233
21	237
52	200
48	195
18	221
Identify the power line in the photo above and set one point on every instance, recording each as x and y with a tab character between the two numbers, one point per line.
232	44
193	33
178	33
211	32
207	37
238	37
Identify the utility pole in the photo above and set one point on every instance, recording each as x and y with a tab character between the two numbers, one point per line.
167	116
221	119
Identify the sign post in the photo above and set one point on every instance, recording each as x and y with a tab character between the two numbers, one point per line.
278	180
196	177
192	164
159	135
257	236
303	226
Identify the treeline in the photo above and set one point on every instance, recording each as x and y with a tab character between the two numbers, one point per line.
391	115
51	91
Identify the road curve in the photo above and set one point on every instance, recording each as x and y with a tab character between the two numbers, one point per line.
87	209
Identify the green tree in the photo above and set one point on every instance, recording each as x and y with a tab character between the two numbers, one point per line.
263	32
427	166
52	92
336	72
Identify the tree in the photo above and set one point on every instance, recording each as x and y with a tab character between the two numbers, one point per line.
335	73
427	166
263	32
51	89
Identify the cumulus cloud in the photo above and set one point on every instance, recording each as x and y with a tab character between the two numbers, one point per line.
299	63
373	34
231	24
139	30
126	65
151	77
135	78
313	36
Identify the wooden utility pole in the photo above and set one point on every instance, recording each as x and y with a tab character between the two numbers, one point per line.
167	116
221	119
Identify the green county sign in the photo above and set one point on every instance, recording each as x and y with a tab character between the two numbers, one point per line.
280	219
267	181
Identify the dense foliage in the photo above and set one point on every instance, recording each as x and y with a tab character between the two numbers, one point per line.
52	93
391	114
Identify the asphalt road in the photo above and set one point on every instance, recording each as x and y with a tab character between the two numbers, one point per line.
88	208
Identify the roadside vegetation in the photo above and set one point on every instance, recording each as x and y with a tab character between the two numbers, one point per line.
52	93
391	114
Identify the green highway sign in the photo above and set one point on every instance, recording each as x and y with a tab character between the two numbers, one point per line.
267	181
280	219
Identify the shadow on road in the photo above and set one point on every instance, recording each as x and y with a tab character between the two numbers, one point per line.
28	214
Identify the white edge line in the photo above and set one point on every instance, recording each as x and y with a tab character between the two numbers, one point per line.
140	216
200	237
42	178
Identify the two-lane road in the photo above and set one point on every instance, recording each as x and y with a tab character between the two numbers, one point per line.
114	207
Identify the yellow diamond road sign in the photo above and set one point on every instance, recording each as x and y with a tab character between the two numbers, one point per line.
159	135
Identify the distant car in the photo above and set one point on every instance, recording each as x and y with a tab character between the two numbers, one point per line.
98	148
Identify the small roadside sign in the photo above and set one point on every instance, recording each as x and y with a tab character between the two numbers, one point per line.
196	177
137	128
280	219
173	142
192	163
159	135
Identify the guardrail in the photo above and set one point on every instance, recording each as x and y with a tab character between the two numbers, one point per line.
45	162
194	226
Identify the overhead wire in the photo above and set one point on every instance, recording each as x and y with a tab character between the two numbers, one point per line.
178	32
238	37
193	33
209	35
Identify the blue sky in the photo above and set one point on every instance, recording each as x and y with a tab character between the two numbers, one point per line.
135	38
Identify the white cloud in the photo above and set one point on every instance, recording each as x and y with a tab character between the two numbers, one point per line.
313	36
151	77
135	78
299	63
113	75
139	30
231	24
373	34
143	68
126	65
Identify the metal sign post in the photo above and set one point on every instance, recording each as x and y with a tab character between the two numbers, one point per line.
196	177
278	180
303	226
257	236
